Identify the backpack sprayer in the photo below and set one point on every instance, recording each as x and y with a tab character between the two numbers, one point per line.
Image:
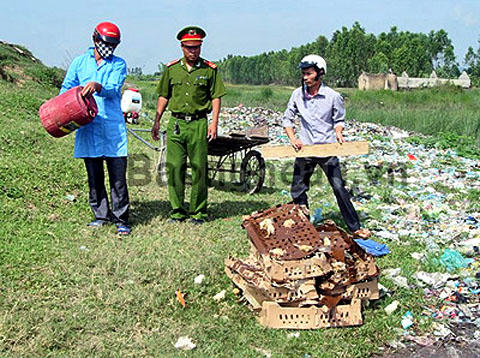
131	105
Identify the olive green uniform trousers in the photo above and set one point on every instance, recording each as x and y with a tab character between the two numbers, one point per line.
187	139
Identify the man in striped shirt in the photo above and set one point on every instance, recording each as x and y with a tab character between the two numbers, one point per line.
322	116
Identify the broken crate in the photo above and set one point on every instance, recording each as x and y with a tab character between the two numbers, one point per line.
301	276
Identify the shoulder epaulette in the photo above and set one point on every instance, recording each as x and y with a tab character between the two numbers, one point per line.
211	64
171	63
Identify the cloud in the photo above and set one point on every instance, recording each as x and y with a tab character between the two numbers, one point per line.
466	17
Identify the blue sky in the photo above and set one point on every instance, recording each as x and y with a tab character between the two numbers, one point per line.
58	30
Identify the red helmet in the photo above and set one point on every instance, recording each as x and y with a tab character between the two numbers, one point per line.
107	32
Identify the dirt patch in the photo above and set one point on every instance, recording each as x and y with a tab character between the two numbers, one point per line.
4	75
452	351
15	74
463	345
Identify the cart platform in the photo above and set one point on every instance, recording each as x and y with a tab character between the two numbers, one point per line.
232	153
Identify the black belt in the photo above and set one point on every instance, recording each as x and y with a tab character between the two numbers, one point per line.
189	117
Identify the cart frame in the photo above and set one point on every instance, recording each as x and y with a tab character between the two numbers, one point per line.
226	154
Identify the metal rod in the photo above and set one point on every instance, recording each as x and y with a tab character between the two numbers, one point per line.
132	132
226	170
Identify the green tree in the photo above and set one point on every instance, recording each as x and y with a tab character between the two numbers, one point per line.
442	54
410	54
472	64
378	63
320	45
347	55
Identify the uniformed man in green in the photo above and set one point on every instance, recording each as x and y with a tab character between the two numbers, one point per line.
192	88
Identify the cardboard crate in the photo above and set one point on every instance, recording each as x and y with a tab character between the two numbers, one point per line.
366	290
257	288
275	316
316	266
253	296
282	271
289	238
249	279
299	276
362	290
303	251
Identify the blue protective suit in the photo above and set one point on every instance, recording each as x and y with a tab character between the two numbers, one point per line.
106	135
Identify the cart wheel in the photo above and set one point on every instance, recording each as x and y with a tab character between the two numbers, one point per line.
252	172
162	167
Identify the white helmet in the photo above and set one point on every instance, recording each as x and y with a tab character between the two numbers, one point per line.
314	60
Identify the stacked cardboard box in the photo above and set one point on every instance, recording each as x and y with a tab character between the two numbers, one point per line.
301	276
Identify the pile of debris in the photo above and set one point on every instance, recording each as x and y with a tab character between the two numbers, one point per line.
301	276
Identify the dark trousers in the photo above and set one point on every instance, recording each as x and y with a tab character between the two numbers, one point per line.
303	171
98	197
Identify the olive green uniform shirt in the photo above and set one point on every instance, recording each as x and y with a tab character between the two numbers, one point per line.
191	92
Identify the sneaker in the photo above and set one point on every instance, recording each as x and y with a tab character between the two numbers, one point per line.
97	223
174	220
196	221
123	230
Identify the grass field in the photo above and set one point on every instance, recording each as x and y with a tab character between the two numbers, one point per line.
69	291
448	113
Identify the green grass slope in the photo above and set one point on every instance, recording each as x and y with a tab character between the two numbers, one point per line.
19	66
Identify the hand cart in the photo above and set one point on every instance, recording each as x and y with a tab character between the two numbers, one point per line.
227	154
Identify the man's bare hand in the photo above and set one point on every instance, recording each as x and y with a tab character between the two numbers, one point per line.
212	132
296	144
155	129
90	88
339	134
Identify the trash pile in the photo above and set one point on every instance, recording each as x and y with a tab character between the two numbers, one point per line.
421	198
240	118
301	276
426	198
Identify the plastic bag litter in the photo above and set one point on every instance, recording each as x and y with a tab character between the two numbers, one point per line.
394	276
220	296
317	217
185	344
387	235
417	255
454	260
372	247
407	320
441	330
391	307
436	279
392	272
199	279
400	281
469	247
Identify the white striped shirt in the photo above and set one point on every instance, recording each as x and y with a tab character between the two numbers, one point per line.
319	114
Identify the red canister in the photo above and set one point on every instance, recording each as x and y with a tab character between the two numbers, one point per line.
67	112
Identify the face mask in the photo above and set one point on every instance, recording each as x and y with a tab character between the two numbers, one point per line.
104	49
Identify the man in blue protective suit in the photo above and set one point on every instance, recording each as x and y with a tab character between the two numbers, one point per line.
105	138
